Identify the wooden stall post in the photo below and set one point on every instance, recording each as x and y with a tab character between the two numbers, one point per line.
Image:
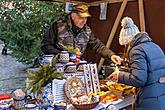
141	15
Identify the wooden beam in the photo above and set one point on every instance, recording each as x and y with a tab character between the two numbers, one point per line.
141	15
62	1
96	3
111	36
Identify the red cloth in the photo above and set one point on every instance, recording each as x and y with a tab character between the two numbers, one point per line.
4	96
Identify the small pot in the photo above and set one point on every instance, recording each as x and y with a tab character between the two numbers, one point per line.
19	103
60	67
5	106
64	57
47	60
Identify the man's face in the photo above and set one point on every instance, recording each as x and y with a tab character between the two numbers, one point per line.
78	20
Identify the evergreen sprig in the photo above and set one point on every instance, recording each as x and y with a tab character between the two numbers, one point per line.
71	49
39	79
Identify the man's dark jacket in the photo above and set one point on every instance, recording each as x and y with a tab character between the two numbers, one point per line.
63	33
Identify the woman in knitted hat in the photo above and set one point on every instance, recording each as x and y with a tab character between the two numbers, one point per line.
146	61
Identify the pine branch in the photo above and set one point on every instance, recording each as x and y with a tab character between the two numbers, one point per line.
40	78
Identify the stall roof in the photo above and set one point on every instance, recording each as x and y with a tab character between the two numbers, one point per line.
90	2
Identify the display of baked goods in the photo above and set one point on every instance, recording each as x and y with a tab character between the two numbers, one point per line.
85	102
106	96
85	106
104	88
116	88
111	97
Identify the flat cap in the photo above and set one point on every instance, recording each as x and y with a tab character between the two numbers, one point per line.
81	9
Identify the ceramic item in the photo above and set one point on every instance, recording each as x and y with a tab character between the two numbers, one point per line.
19	104
48	108
60	106
19	99
95	98
80	65
60	67
47	96
70	67
5	107
47	60
72	57
64	57
6	104
30	106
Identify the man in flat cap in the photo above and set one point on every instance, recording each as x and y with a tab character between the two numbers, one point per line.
73	31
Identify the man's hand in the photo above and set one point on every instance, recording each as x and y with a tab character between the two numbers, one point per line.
116	59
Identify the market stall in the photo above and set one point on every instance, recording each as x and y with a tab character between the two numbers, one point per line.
77	83
82	88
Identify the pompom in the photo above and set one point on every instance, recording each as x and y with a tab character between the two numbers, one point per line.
128	31
127	22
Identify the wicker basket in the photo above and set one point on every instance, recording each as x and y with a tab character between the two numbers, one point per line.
85	106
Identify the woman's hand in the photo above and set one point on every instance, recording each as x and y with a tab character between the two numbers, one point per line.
114	75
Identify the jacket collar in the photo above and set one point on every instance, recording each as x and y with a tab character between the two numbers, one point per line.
140	38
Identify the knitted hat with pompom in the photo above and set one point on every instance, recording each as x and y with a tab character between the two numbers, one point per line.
128	31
